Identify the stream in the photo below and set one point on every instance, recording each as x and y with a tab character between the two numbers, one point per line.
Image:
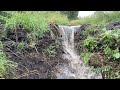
75	69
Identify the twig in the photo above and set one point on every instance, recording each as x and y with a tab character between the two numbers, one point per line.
24	67
36	50
16	54
16	35
26	74
9	39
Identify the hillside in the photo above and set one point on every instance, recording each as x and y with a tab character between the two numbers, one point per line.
51	45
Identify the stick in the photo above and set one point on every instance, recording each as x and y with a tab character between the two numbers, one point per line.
26	74
16	35
16	54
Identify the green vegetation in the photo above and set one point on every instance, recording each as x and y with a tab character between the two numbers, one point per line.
50	51
85	57
99	18
99	43
70	14
5	64
36	22
106	43
21	46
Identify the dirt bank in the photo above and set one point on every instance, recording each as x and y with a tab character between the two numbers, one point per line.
33	62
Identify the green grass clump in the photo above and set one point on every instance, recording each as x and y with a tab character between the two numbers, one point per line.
36	22
31	21
5	64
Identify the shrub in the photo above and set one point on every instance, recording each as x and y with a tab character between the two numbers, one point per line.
86	57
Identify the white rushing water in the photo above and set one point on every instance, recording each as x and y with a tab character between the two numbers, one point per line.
75	69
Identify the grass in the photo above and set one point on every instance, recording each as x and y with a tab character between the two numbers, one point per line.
98	18
36	22
5	64
20	46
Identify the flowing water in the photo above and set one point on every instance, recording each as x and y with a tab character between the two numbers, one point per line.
75	69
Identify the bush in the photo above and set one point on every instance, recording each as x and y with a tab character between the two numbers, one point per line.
107	44
105	41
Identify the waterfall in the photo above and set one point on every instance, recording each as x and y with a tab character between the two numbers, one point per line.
75	69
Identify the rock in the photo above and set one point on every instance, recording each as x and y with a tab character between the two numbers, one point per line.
113	25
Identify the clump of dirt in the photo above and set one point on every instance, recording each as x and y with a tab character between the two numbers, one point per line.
18	35
44	42
31	66
97	60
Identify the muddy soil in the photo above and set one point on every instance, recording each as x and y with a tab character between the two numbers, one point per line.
18	35
33	63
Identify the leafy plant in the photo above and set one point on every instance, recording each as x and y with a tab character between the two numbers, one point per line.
86	57
107	43
21	46
102	69
50	51
116	54
90	43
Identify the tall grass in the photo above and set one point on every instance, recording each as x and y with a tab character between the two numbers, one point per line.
98	18
37	22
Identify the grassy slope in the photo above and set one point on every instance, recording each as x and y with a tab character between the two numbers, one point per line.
36	22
